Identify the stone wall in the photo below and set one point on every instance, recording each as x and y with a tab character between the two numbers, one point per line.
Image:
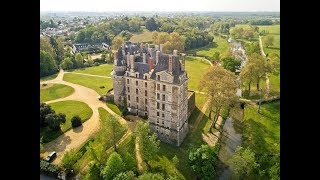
191	102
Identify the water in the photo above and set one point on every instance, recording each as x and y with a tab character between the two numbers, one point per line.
230	141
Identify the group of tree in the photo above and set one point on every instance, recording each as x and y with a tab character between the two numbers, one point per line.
231	63
49	118
46	24
246	33
222	26
170	41
261	22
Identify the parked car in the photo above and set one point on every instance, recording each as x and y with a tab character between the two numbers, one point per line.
51	156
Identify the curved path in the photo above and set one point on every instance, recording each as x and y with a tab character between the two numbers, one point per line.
74	138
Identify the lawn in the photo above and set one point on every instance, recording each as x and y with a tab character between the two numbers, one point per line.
275	32
102	70
90	82
54	92
274	81
70	109
46	78
114	107
219	45
145	36
262	131
196	67
102	137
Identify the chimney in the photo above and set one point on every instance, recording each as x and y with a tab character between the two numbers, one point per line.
132	62
183	65
115	56
128	60
151	64
157	57
170	64
157	47
144	58
175	52
161	46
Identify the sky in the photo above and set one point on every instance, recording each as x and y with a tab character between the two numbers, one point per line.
159	5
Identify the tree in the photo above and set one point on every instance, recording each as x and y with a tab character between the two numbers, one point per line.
129	175
151	24
97	152
274	171
45	109
54	121
67	63
243	164
76	121
202	162
116	130
252	48
80	37
78	60
247	76
93	172
130	162
221	87
148	143
231	64
46	46
117	42
148	176
70	158
97	37
58	45
268	40
114	166
216	56
175	160
47	64
177	41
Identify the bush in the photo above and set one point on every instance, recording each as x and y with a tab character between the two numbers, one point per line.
96	64
76	121
49	169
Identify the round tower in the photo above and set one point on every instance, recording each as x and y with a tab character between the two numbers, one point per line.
118	79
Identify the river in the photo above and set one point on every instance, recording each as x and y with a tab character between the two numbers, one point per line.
230	141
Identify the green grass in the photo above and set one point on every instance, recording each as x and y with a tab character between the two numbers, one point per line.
102	70
262	131
145	36
54	92
101	137
70	109
114	107
274	81
46	78
90	82
275	32
196	67
219	45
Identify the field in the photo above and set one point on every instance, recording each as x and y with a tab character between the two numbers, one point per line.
275	32
145	36
54	92
46	78
70	109
95	56
219	45
195	67
102	70
114	107
90	82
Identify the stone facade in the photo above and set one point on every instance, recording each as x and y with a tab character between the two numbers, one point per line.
153	84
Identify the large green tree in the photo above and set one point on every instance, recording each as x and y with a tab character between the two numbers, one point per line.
220	86
151	24
45	109
78	60
203	162
117	42
46	46
54	121
116	130
148	176
67	63
114	166
268	40
47	64
231	64
70	158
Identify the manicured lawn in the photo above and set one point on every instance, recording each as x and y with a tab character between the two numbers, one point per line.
275	32
262	131
54	92
70	109
102	137
114	107
145	36
219	45
196	67
46	78
90	82
102	70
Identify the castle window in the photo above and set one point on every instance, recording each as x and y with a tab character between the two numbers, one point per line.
158	105
136	83
163	107
164	87
162	122
158	78
129	105
137	108
145	101
145	84
136	91
145	93
137	99
163	115
129	97
136	75
146	108
158	114
127	81
158	96
145	77
128	89
163	97
158	87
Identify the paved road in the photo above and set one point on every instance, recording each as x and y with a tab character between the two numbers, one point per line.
74	138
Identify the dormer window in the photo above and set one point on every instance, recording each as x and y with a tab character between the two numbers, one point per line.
158	77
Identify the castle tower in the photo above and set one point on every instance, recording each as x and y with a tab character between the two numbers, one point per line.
118	80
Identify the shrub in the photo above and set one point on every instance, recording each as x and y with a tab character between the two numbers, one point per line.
49	169
76	121
96	64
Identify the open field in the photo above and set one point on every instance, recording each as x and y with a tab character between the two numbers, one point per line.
196	67
70	109
275	32
90	82
219	45
54	92
102	70
145	36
